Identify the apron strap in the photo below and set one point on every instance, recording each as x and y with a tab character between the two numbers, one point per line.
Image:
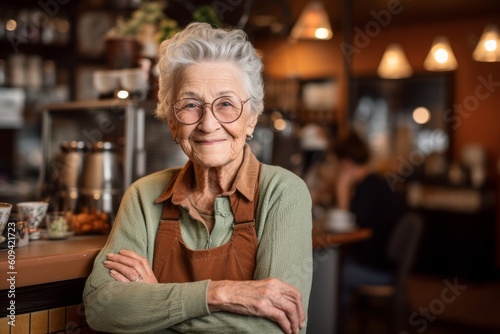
243	209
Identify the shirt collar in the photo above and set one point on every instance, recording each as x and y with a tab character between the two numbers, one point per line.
245	181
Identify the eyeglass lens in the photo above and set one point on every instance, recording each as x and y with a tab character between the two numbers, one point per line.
225	109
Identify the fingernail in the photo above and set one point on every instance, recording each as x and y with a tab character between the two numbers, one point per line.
106	263
109	255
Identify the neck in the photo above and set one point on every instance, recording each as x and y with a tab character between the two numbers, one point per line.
212	181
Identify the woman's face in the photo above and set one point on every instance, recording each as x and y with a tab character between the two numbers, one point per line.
210	143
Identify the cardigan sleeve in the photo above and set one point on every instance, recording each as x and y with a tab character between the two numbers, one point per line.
112	306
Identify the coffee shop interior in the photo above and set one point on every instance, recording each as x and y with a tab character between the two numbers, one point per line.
419	81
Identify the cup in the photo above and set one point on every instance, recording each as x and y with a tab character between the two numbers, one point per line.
340	221
22	231
57	225
134	81
106	81
33	212
5	209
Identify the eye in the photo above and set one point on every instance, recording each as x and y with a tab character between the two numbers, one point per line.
188	104
226	102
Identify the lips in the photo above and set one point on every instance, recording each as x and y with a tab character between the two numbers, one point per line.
208	141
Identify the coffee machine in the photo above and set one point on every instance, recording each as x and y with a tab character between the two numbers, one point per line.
93	150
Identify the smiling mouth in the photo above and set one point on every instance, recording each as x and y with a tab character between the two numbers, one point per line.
209	141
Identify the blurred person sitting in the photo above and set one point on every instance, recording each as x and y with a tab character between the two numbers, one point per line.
367	195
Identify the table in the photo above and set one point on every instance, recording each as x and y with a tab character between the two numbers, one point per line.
45	266
46	261
324	301
46	276
322	239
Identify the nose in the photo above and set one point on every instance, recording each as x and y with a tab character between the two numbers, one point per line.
208	122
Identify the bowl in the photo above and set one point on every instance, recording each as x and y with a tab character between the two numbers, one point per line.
106	81
34	212
5	209
340	221
57	225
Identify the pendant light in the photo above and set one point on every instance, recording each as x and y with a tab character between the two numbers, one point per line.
313	23
440	56
488	47
394	64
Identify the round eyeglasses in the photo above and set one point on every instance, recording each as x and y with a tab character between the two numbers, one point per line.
226	109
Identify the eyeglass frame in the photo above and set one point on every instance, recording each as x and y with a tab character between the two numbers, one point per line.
203	104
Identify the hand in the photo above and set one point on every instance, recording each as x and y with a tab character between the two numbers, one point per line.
269	298
128	266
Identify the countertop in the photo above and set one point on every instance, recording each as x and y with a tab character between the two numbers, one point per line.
47	261
323	239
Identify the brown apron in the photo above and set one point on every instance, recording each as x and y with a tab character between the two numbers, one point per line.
175	262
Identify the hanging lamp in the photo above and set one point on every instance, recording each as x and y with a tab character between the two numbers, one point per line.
440	56
488	47
394	64
313	23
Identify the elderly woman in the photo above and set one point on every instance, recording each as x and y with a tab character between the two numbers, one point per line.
222	245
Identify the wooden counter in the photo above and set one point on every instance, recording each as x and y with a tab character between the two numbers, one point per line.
322	239
48	261
50	274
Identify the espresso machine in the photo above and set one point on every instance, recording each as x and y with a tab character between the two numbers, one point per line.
93	150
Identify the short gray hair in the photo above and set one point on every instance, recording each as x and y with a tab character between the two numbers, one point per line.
200	42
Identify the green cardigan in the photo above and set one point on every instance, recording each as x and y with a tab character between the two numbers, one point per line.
283	225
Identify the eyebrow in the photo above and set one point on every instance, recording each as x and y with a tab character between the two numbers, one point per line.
223	93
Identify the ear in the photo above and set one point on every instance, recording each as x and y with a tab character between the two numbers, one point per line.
251	123
172	124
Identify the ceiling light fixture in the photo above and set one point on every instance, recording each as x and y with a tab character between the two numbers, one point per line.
394	64
488	47
313	23
440	56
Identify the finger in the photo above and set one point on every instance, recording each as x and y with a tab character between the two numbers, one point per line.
288	315
281	319
296	298
131	254
128	272
131	259
291	304
124	261
118	276
283	304
132	265
142	265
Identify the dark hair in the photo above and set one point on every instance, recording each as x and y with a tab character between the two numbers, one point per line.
353	148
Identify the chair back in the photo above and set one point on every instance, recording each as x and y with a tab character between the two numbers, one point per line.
403	245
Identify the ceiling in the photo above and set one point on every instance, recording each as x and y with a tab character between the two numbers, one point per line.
281	14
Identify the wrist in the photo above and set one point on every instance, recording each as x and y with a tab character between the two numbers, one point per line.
215	296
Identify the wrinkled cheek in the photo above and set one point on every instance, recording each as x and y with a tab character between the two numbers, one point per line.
186	147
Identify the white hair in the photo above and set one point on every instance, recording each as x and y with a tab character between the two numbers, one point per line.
201	42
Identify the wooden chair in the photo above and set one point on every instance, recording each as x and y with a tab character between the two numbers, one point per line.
391	301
